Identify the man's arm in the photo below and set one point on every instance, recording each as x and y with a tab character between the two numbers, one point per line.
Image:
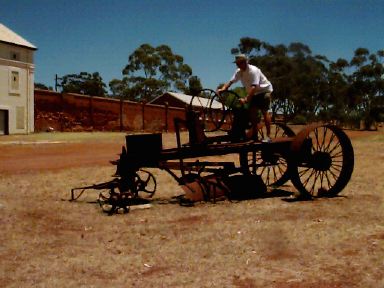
224	87
250	93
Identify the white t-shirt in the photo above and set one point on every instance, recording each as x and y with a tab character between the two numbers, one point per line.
252	76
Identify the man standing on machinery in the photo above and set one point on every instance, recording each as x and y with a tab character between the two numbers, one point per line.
258	90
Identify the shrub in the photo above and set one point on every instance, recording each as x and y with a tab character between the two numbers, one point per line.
299	120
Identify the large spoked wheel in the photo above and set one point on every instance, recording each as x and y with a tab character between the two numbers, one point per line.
211	111
271	165
323	161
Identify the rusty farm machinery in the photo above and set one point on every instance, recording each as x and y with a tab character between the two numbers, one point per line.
319	160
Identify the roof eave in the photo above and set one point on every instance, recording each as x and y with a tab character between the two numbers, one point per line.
19	45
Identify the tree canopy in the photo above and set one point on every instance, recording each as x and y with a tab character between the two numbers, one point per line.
42	86
311	87
84	83
151	71
307	87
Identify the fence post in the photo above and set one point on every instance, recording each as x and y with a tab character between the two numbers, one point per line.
166	116
91	110
121	114
142	113
62	111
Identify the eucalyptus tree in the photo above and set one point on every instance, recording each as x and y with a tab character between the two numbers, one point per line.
313	87
299	78
274	62
367	84
338	83
41	86
84	83
151	71
194	86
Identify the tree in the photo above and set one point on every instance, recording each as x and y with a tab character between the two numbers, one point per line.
118	87
41	86
366	87
299	78
338	85
194	86
315	88
153	70
84	83
272	60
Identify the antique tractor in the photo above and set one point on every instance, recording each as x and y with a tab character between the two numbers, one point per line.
319	160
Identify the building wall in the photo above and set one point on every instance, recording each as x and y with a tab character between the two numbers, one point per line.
16	53
74	112
16	88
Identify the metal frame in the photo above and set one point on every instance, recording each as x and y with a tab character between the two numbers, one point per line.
319	160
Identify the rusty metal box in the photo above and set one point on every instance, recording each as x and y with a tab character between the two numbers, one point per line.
144	148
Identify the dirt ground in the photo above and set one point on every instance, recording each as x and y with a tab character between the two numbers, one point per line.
47	241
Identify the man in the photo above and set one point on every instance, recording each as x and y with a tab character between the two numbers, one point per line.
258	90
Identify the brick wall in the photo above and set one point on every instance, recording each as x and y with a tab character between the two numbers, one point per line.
74	112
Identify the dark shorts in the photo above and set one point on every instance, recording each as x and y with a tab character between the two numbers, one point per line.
261	101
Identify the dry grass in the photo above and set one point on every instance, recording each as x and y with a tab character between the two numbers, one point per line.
49	242
67	137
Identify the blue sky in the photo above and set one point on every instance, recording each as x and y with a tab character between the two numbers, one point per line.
99	35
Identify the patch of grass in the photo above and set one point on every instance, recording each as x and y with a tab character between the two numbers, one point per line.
47	241
374	138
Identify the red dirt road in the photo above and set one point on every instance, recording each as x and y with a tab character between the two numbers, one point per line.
23	158
33	157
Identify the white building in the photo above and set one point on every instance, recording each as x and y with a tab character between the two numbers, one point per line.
16	83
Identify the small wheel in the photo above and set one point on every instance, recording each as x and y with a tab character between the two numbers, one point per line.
145	184
210	109
114	201
271	165
323	161
105	202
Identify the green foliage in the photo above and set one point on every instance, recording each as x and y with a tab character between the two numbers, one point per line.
240	91
117	87
307	87
151	71
194	86
314	87
84	83
380	117
299	120
41	86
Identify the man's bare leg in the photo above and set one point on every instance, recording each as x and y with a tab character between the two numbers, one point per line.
267	120
254	119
